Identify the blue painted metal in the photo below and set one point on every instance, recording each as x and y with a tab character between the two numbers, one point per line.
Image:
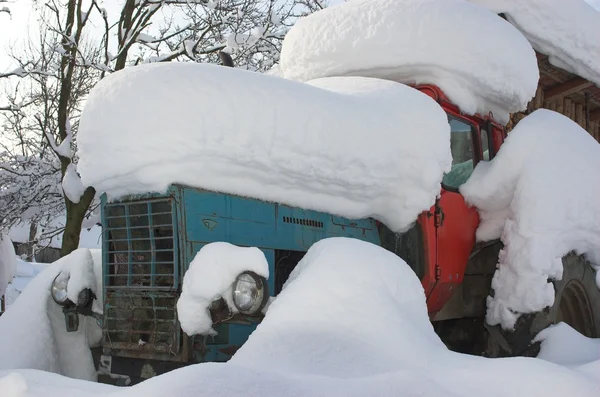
200	217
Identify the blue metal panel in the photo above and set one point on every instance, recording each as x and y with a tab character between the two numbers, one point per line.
243	221
201	217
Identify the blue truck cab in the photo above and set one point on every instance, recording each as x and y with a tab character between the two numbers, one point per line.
148	244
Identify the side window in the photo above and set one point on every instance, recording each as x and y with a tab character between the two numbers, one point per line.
486	141
461	145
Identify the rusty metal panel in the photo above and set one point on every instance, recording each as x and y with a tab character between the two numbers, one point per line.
141	321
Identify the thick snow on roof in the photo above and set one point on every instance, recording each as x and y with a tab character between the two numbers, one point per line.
210	276
540	195
480	61
357	147
350	322
568	31
32	330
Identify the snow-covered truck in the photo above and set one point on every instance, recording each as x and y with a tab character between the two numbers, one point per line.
202	154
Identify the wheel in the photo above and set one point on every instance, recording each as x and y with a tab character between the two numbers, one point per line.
577	303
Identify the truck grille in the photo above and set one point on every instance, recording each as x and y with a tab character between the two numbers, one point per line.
141	245
142	321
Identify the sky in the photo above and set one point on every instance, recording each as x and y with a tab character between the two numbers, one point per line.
15	27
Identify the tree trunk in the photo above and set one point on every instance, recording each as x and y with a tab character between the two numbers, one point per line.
75	215
30	243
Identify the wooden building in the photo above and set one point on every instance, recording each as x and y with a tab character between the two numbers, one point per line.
565	93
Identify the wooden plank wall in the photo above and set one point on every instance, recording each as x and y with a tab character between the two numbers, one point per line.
565	106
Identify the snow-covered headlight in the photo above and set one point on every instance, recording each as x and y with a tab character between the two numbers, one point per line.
59	289
249	293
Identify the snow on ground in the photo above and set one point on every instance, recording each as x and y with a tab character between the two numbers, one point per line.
210	276
480	61
567	31
563	345
540	196
32	330
26	271
8	264
351	321
357	147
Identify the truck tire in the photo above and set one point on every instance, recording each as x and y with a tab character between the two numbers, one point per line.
577	303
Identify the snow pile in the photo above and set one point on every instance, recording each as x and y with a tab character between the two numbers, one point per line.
540	196
357	147
26	271
32	330
480	61
344	292
8	264
563	345
350	322
567	31
210	277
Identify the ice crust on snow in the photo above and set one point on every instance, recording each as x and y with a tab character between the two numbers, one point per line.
349	304
210	276
540	196
567	31
480	61
32	330
350	146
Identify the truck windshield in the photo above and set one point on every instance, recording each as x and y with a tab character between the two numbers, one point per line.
461	145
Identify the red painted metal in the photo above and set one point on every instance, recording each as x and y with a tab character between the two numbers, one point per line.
449	226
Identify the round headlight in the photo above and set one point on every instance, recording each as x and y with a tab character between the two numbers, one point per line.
59	290
249	293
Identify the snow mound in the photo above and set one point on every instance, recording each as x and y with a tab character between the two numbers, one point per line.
357	148
563	345
8	263
567	31
342	293
26	271
480	61
540	196
350	322
32	330
210	277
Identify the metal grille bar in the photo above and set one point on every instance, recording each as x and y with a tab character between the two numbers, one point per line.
142	321
142	245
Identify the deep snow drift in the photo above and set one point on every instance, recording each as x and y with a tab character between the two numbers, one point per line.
210	277
32	330
540	196
357	147
568	31
480	61
351	321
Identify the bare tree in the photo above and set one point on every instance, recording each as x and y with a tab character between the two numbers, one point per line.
38	166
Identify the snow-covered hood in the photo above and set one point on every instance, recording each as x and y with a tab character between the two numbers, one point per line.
351	146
